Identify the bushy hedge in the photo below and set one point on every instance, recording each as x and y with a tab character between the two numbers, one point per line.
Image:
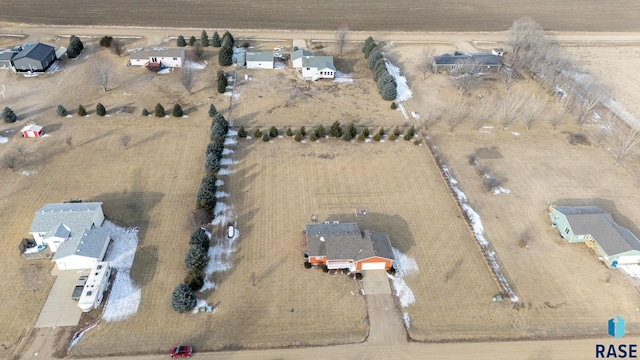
386	83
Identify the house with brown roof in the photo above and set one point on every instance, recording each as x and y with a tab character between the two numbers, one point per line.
343	246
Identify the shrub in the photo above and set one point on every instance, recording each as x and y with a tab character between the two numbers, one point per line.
145	112
346	136
222	84
298	136
396	131
194	280
352	130
257	133
365	131
182	298
242	133
381	131
358	276
393	105
199	238
212	163
307	265
105	41
177	111
392	137
289	132
159	111
361	137
266	137
9	116
206	197
215	40
212	110
192	40
313	136
81	110
325	269
376	137
416	142
303	131
196	258
181	42
61	111
411	132
320	131
100	110
273	132
336	130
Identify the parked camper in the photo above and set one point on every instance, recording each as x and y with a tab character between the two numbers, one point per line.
95	287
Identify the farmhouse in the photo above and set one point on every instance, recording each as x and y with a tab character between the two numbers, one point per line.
32	131
614	244
259	60
298	55
74	232
473	62
34	57
160	57
344	246
318	67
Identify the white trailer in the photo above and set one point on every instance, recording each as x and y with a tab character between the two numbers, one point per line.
95	287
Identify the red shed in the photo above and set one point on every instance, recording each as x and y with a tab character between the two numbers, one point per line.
32	131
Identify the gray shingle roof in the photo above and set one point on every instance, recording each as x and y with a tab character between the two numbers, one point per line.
88	243
592	220
345	241
6	55
76	216
300	53
38	52
157	52
319	62
60	231
259	56
485	59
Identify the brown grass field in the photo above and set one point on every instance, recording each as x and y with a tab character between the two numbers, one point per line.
268	299
378	15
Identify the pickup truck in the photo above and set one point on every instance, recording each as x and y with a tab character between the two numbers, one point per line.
77	291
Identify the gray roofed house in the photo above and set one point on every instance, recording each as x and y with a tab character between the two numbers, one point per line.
481	62
169	57
298	55
318	67
344	246
73	231
5	59
259	60
596	227
34	57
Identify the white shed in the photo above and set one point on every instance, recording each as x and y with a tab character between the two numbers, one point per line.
259	60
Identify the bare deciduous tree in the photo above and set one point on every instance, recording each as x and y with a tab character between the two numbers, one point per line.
429	116
99	73
604	128
483	110
508	108
531	111
593	96
466	76
626	140
69	141
117	46
198	49
510	76
20	149
125	140
565	106
186	78
525	37
456	112
424	63
10	160
342	37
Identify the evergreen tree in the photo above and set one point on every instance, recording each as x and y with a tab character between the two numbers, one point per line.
219	119
266	137
273	132
393	137
242	133
336	130
177	111
215	148
367	43
61	111
212	163
159	111
389	91
303	131
81	110
298	136
394	105
218	134
206	197
313	136
145	112
320	132
181	42
396	131
212	110
373	58
192	40
381	131
289	132
75	47
204	38
194	280
376	137
100	110
196	258
353	132
183	299
257	133
227	36
222	84
369	49
346	136
9	116
365	131
225	56
215	40
361	137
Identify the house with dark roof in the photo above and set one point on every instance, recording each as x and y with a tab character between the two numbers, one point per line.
343	246
34	57
73	232
614	244
472	62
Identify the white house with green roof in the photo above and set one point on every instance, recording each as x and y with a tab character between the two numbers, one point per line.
318	67
298	55
614	244
259	60
73	232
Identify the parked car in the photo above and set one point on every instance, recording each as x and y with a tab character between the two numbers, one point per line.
181	351
278	48
77	291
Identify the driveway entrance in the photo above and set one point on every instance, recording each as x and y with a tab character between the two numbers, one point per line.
60	309
385	321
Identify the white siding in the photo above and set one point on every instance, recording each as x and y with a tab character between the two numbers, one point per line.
259	64
76	262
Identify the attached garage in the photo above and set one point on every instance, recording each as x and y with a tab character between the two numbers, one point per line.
377	264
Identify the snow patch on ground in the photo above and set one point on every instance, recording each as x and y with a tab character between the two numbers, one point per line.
221	213
226	151
3	140
515	133
404	265
164	71
232	133
27	172
77	336
194	66
219	182
500	190
342	78
225	171
407	320
221	194
230	141
402	88
125	295
226	161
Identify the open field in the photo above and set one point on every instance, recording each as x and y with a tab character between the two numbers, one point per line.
379	15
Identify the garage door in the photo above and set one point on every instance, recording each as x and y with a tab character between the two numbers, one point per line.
629	259
373	266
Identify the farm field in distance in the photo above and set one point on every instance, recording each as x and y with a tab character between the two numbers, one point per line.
268	299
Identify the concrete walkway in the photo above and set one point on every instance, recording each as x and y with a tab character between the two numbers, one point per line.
385	320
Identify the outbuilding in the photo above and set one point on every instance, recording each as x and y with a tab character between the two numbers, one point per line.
614	244
34	57
259	60
32	131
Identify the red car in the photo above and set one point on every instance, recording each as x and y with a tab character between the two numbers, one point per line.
181	351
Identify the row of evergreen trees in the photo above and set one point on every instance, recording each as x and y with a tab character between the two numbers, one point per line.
215	40
100	110
387	86
159	111
196	258
336	130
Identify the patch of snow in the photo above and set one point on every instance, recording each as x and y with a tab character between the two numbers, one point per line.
631	270
367	140
500	190
221	213
402	88
76	337
226	161
407	320
404	265
69	115
225	171
185	116
279	65
46	135
232	133
228	93
220	258
478	232
226	151
125	295
230	141
219	182
404	110
488	127
3	140
221	194
27	173
199	303
342	78
515	133
249	137
415	115
164	71
194	66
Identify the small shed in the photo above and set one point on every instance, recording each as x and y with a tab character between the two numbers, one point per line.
32	131
34	57
259	60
